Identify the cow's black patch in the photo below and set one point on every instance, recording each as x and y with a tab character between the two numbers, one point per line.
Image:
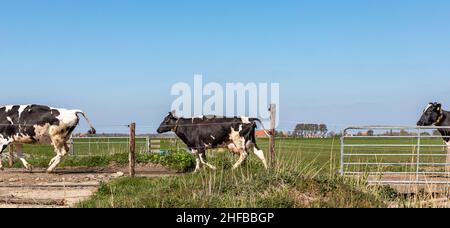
3	148
23	123
71	129
211	132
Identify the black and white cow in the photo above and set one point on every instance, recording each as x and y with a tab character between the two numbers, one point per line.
433	114
200	134
37	124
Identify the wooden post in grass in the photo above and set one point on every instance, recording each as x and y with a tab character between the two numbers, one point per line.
11	155
132	154
273	112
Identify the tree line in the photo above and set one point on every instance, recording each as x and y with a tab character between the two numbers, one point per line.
303	130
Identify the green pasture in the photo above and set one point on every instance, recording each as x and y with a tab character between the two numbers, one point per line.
322	154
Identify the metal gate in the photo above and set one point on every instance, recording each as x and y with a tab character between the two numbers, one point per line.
396	155
95	146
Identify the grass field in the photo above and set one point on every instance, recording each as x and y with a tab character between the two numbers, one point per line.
306	176
320	154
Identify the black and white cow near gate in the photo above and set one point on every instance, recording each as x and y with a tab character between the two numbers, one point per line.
433	114
37	124
200	134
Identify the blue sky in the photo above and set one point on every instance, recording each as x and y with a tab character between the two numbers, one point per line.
339	62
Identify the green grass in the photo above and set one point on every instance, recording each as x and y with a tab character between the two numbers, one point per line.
182	162
101	152
322	154
248	187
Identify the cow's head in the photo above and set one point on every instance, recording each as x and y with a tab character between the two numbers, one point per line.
432	115
168	124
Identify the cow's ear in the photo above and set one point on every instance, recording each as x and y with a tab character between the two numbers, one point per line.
438	107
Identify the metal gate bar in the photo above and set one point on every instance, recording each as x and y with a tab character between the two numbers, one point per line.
405	173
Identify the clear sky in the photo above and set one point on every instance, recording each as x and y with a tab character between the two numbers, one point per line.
338	62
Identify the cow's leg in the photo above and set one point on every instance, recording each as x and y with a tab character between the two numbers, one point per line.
197	160
202	156
19	151
233	149
242	157
61	151
259	153
2	148
240	144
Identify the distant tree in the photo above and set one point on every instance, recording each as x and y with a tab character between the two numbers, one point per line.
279	134
323	129
310	130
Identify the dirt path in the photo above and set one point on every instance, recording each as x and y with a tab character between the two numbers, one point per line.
63	189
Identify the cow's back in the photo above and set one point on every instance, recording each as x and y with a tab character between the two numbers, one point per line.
211	131
28	123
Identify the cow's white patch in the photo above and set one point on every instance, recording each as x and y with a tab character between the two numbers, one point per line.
199	117
4	141
213	137
42	134
245	120
260	155
21	109
22	139
234	134
68	117
233	148
9	120
237	140
8	108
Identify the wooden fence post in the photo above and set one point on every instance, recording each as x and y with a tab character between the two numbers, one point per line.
273	112
132	154
11	155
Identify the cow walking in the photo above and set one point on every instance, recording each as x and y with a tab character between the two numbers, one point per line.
37	124
200	134
433	114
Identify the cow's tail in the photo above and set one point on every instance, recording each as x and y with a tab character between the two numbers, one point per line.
92	131
262	125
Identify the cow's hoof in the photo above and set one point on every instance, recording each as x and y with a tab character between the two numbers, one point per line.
29	168
2	169
50	171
